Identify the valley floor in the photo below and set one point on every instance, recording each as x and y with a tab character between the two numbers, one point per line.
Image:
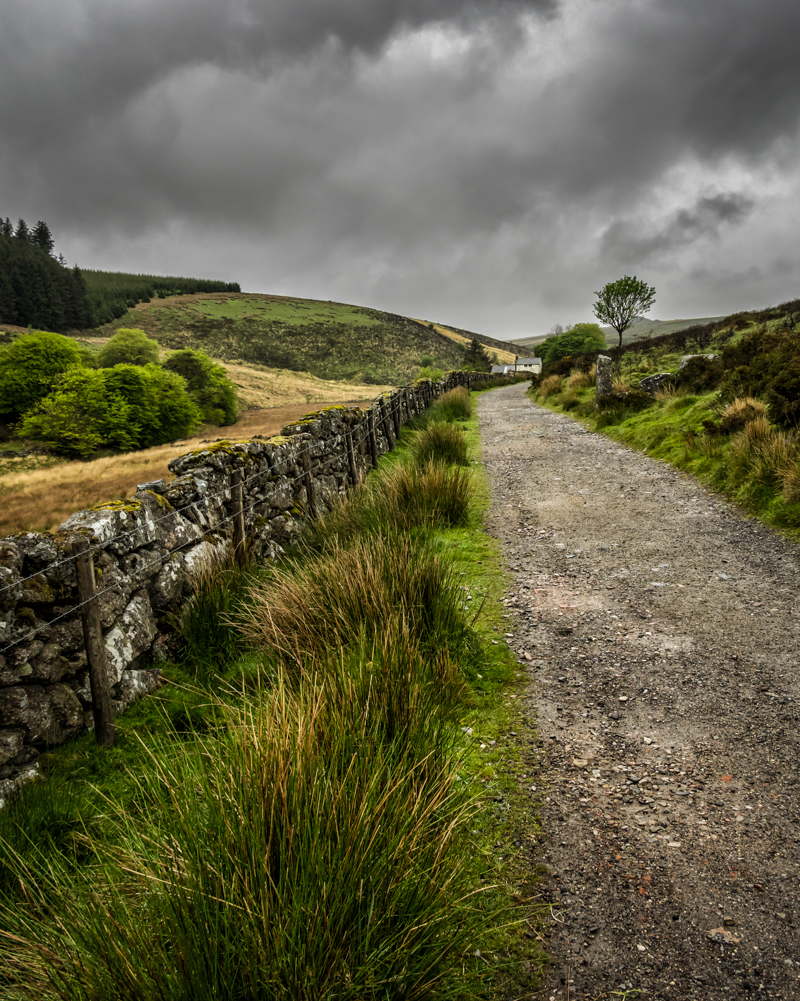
661	632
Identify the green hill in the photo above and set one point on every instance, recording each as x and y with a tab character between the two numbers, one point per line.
644	329
327	339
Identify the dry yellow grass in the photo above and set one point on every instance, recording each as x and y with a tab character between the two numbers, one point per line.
277	387
581	380
38	494
503	357
551	385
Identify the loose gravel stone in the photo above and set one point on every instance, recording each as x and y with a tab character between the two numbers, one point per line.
674	817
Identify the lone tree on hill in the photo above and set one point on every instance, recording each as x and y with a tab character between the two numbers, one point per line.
620	301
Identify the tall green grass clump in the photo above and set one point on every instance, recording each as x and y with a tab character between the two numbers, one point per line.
352	589
300	856
211	643
454	405
424	494
440	442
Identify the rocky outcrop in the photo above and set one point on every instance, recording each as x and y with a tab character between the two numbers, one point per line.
651	384
687	358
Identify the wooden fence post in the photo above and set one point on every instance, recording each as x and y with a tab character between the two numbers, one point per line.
351	458
309	484
102	709
397	414
373	442
237	507
409	408
387	428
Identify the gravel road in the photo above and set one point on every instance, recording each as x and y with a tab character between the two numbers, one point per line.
660	629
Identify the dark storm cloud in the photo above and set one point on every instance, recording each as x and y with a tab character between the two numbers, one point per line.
423	154
630	242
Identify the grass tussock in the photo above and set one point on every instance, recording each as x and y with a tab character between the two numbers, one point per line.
405	497
440	442
550	386
295	854
454	405
582	380
363	585
740	412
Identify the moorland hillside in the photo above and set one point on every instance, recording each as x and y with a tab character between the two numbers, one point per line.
329	340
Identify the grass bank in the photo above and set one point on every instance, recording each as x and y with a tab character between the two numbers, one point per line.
303	810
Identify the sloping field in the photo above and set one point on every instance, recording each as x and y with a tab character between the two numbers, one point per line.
326	339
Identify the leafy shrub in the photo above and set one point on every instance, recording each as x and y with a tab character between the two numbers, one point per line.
80	416
579	339
159	403
700	374
442	443
129	347
30	367
208	385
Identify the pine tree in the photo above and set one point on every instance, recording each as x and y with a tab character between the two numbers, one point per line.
22	232
6	229
42	237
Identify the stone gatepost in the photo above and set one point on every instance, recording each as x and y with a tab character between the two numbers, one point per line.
603	381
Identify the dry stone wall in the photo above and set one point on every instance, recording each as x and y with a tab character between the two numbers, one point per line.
145	550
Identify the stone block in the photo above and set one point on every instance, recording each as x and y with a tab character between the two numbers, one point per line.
604	383
10	745
651	384
46	715
131	636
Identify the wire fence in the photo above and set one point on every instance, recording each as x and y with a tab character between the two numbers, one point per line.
385	414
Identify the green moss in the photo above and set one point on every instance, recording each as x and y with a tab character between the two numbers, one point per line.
130	504
160	500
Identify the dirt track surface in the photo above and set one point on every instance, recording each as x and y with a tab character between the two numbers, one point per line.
660	628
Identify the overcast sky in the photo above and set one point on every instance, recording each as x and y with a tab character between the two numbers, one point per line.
489	164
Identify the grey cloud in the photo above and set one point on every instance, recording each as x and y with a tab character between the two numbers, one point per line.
628	241
430	151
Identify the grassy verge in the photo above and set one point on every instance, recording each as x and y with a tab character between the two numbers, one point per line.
303	810
733	447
